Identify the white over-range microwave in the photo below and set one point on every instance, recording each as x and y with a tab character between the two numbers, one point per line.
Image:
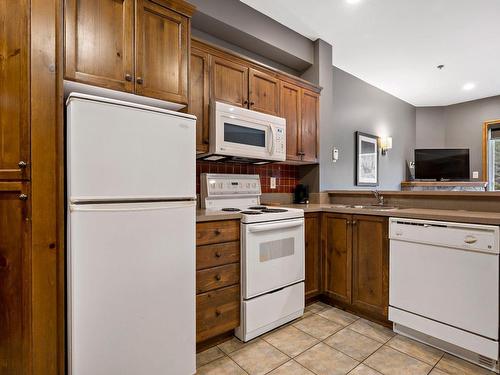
241	134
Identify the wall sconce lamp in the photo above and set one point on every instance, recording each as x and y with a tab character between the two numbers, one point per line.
385	144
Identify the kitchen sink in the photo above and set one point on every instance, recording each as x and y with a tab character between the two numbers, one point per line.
367	207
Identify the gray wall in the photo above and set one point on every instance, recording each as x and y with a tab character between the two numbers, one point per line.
430	131
458	125
358	106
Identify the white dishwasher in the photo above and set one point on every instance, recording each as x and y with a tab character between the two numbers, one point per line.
444	286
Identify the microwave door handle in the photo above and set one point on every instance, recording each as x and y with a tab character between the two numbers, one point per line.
271	132
268	227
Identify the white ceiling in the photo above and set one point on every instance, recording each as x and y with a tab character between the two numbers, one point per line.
396	45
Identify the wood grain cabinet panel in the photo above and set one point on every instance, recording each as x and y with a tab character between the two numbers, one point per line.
217	277
217	312
291	110
264	92
217	254
337	256
15	276
229	82
161	52
99	43
309	126
199	97
313	255
370	280
217	231
14	90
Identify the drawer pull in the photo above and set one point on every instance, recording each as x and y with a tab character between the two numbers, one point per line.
217	232
218	277
218	254
218	312
470	239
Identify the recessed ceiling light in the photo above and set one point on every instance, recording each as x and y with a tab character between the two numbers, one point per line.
469	86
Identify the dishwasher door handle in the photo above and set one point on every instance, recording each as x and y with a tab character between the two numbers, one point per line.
470	239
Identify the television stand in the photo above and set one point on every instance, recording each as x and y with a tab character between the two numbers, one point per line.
444	186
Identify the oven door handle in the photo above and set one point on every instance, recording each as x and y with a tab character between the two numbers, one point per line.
274	226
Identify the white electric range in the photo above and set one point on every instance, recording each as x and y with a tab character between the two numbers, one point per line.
272	252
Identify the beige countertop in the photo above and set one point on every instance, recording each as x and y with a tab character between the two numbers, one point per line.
475	217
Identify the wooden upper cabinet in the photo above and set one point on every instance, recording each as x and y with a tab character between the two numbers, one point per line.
313	255
337	256
14	91
370	280
161	52
199	97
291	110
264	92
15	273
229	82
309	126
99	43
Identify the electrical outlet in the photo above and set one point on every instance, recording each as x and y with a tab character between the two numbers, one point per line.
272	182
335	154
475	174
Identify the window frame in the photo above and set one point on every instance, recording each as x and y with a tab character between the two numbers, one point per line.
487	162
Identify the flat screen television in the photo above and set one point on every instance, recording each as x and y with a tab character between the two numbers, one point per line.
442	164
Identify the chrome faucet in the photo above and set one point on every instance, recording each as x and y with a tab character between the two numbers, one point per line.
380	197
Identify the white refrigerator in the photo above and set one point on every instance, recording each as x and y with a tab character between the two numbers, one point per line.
131	238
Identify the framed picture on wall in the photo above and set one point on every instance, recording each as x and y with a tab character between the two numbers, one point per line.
366	159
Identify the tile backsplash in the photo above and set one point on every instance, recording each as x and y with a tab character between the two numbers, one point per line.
286	175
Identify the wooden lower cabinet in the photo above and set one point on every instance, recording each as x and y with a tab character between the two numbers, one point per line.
370	265
217	278
15	276
217	312
337	256
356	263
312	256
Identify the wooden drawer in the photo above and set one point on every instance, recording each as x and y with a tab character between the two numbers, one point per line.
217	254
217	277
217	312
217	231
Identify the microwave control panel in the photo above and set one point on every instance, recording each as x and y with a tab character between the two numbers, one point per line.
280	141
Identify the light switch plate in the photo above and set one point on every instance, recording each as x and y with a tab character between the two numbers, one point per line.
272	182
475	174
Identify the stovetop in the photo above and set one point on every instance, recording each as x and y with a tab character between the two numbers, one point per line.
261	213
241	193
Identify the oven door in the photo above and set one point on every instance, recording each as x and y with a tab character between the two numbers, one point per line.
273	256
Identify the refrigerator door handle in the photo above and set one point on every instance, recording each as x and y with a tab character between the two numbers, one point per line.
116	207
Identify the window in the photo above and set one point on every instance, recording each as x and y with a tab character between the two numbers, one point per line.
492	151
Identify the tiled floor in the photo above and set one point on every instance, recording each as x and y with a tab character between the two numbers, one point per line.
328	341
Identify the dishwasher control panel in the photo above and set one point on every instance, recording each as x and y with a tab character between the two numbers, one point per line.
474	237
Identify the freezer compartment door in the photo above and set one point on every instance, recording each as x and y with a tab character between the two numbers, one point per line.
122	152
131	292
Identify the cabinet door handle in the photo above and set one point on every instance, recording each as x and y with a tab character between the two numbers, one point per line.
354	222
140	80
128	77
348	222
218	277
23	197
252	103
245	102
